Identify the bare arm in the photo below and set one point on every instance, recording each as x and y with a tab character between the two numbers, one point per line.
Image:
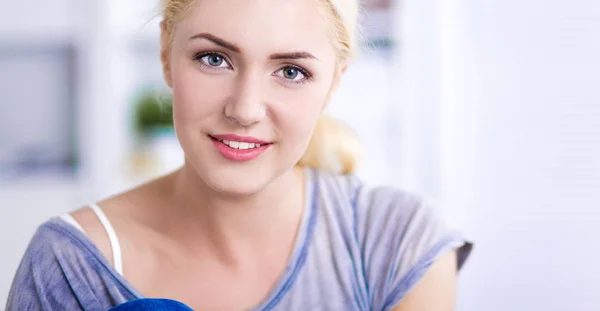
436	291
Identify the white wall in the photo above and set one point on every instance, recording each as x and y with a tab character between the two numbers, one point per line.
519	120
32	20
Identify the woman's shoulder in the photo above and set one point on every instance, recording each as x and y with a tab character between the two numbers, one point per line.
362	197
380	212
386	210
57	244
52	238
399	233
44	266
61	268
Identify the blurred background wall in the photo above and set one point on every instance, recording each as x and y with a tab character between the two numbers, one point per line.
520	106
490	107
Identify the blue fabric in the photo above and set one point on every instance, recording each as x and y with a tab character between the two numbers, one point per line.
357	248
147	304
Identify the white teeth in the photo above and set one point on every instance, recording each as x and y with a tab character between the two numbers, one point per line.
240	145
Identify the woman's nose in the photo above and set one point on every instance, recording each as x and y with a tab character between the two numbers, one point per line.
247	105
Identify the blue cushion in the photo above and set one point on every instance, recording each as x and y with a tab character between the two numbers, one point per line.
149	304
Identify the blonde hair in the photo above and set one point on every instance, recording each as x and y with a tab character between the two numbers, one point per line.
334	146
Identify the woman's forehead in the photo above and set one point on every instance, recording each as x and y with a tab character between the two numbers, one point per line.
257	26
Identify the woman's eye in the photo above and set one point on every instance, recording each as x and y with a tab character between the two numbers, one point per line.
292	73
214	60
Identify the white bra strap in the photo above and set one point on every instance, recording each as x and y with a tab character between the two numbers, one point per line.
112	237
70	220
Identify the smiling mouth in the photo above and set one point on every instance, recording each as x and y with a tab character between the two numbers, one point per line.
241	145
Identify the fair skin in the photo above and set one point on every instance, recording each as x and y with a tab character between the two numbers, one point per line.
233	72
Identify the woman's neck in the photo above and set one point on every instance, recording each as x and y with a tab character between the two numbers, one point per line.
233	227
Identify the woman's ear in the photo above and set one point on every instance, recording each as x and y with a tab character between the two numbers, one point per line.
340	69
339	72
165	51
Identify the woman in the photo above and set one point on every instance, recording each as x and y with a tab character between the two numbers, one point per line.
264	214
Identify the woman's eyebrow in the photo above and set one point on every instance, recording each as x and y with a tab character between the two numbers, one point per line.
292	55
232	47
218	41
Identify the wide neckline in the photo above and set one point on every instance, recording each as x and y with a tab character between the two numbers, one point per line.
285	280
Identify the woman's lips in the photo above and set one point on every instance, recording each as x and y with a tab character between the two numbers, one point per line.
239	148
238	138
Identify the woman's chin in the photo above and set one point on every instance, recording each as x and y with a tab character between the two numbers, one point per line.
235	179
236	183
237	188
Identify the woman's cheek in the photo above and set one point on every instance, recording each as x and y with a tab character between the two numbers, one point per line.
198	95
298	117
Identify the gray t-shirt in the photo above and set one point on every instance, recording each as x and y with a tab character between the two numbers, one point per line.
358	248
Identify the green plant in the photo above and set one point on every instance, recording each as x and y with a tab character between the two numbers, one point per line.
153	111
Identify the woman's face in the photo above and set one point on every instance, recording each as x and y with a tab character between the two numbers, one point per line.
249	80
